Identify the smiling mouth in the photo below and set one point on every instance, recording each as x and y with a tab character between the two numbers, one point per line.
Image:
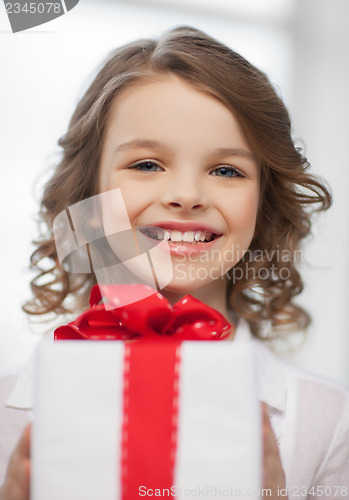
174	236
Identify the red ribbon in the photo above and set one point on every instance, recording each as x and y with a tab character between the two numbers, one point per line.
150	414
152	317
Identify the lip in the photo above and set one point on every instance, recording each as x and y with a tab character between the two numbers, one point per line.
185	226
175	248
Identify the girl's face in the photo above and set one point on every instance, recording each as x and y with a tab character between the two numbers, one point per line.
187	176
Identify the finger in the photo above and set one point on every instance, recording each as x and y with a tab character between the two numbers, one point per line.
269	439
265	416
24	442
24	476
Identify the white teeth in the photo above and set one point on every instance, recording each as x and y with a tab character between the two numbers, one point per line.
188	236
176	236
160	235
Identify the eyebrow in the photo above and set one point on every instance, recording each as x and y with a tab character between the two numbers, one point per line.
154	144
234	152
142	143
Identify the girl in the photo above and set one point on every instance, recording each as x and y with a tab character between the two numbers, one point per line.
200	146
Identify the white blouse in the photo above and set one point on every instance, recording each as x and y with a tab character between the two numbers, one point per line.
309	416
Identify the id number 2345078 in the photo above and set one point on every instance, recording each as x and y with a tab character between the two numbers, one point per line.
319	491
34	7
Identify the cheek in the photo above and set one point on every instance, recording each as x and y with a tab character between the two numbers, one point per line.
135	198
243	210
133	194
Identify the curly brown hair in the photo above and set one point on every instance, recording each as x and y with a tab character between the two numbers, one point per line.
289	193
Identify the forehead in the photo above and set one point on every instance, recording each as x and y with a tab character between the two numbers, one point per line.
168	108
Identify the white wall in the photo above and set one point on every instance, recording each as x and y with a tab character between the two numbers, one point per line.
43	71
320	109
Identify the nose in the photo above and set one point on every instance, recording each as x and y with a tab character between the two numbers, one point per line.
185	193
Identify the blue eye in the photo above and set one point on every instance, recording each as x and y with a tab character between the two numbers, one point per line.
226	172
147	166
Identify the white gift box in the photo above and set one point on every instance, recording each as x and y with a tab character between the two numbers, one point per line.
83	420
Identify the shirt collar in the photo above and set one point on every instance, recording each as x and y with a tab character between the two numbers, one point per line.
272	374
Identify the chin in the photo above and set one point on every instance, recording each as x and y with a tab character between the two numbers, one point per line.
183	287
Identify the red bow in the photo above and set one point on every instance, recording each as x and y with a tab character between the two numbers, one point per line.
153	316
